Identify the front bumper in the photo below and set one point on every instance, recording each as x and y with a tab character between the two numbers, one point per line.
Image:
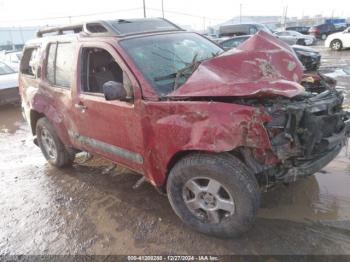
306	135
311	166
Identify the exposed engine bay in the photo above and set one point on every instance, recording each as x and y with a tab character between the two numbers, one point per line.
306	131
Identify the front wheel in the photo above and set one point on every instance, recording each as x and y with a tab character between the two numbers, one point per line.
336	45
214	194
51	146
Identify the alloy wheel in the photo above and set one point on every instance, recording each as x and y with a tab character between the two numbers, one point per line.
336	45
48	144
208	199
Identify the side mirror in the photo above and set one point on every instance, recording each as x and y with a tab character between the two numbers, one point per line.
114	91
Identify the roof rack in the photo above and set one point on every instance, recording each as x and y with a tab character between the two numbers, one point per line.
60	30
113	27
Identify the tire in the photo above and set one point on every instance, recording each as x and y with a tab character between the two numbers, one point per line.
51	146
336	45
232	185
323	36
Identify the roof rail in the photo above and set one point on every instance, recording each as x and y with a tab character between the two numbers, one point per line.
75	28
102	28
107	28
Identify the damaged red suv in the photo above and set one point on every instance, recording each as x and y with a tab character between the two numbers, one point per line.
209	128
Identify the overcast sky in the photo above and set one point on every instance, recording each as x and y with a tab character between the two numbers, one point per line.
37	12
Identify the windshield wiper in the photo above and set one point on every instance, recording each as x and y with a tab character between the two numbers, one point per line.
185	71
166	77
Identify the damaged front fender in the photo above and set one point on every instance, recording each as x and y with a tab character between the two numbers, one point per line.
175	126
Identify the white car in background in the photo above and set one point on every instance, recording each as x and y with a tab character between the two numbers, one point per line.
8	85
338	41
308	39
12	59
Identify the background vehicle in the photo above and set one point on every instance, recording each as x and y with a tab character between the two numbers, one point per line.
308	39
12	59
8	85
323	30
291	39
338	41
169	105
309	57
301	29
241	29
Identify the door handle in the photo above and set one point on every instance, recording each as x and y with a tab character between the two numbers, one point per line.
81	107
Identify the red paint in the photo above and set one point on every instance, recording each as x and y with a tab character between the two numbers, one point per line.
159	130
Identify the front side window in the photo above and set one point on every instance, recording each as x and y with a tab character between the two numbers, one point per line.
98	68
60	64
50	66
163	59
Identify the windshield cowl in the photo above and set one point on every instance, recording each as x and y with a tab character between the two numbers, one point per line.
261	66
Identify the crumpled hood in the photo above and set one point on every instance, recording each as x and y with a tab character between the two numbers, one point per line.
261	66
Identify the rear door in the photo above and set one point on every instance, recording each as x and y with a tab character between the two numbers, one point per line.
109	128
54	98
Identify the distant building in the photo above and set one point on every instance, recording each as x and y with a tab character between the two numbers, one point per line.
15	37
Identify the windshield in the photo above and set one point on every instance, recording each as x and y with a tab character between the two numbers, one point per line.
5	69
168	60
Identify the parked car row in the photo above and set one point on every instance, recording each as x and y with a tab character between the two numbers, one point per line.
290	37
309	57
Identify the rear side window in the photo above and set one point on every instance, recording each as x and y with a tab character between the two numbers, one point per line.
60	64
30	61
50	68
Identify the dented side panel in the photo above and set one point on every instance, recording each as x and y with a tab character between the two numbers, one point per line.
172	127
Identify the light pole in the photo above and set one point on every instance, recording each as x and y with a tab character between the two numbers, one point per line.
240	13
163	8
144	8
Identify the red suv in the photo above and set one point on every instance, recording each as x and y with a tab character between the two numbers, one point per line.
209	128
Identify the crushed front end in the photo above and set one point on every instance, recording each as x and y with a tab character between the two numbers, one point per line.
307	131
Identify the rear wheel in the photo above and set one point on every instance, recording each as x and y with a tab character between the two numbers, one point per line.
51	146
336	45
214	194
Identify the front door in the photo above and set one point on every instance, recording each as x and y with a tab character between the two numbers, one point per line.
109	128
